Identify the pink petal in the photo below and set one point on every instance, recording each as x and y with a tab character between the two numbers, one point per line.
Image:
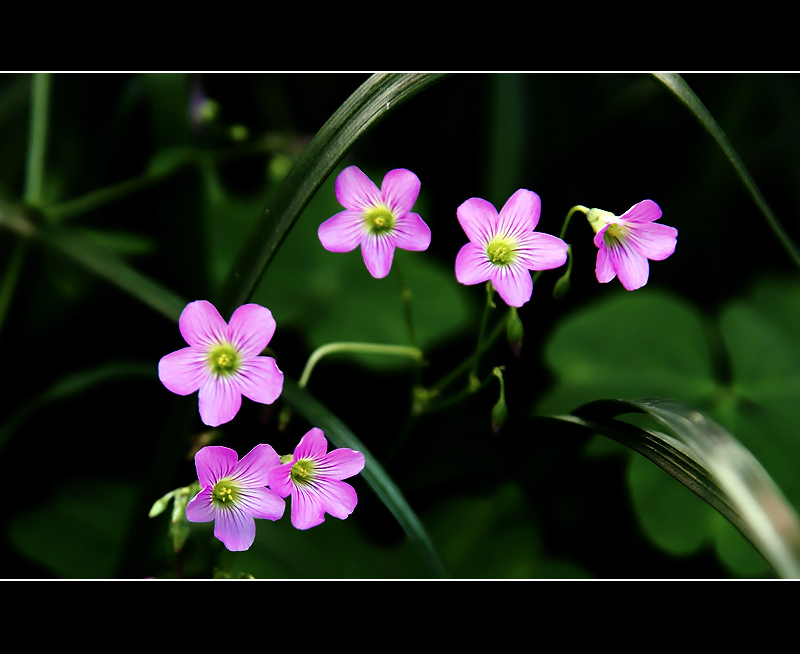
253	470
310	503
654	240
513	283
400	189
355	190
411	233
642	212
378	252
313	445
280	479
343	232
306	509
262	503
539	251
520	214
183	371
478	219
473	265
341	463
604	269
251	328
201	507
632	268
260	380
214	462
235	528
220	400
201	325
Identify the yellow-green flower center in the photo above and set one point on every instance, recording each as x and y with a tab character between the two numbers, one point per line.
303	472
501	252
224	493
223	359
379	220
614	234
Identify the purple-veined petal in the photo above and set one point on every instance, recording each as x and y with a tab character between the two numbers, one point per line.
201	507
214	462
604	268
251	328
253	470
260	380
235	528
261	503
478	218
343	232
306	509
539	251
183	371
400	189
378	252
632	268
219	401
473	265
645	211
313	445
355	190
411	233
653	240
513	283
201	325
520	213
331	496
280	479
340	463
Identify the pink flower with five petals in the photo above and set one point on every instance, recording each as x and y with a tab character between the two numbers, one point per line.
222	360
379	220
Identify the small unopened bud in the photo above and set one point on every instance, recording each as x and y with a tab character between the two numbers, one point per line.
500	410
515	332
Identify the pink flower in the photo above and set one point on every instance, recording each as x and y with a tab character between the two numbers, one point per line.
503	247
234	492
222	360
377	220
313	479
626	243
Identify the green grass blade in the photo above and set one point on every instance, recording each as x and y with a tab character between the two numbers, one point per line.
367	106
375	475
703	456
676	85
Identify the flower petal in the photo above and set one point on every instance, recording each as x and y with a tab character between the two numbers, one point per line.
473	265
343	232
183	371
653	240
378	252
539	251
355	190
341	463
260	380
251	328
632	268
645	211
520	213
307	511
253	470
235	528
214	462
411	233
262	503
313	445
310	503
201	325
400	190
280	479
604	268
513	283
478	219
201	507
219	401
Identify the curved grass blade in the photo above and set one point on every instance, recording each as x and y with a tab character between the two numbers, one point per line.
341	436
367	106
708	460
676	85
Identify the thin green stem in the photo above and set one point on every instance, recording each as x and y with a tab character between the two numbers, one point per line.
37	139
356	348
576	208
474	383
405	293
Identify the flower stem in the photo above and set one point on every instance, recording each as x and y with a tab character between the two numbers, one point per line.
37	139
577	207
474	382
405	293
356	348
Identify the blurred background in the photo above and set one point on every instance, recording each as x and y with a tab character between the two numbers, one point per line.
90	439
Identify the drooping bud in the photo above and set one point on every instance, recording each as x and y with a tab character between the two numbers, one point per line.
514	331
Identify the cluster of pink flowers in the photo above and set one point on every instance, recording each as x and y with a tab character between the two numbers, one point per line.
503	247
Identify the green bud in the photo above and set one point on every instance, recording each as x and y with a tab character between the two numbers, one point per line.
514	331
499	415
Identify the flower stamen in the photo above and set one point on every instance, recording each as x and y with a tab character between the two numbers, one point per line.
303	471
224	493
501	252
223	359
379	220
